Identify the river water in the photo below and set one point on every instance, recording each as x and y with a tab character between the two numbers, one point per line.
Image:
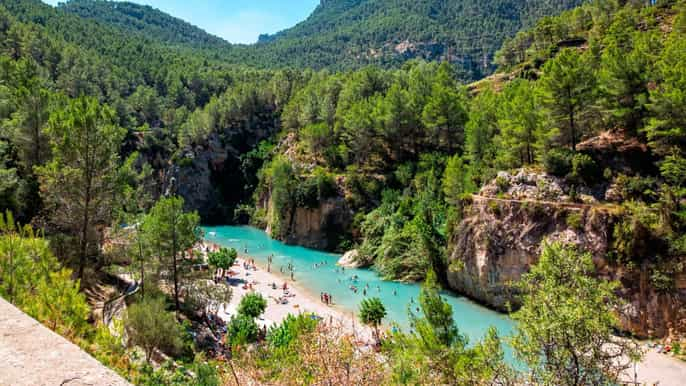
472	319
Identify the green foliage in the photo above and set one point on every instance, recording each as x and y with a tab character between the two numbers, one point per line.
584	170
558	162
286	334
252	305
372	312
555	336
438	313
81	178
519	118
241	330
150	326
575	220
436	350
172	231
224	258
456	181
31	278
567	88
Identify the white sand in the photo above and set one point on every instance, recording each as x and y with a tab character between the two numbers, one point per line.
658	369
299	301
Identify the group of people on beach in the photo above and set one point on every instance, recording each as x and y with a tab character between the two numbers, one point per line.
326	298
249	264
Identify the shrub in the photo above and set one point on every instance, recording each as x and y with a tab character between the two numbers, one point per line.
584	169
558	162
223	259
252	305
575	220
502	183
662	281
241	330
150	325
283	335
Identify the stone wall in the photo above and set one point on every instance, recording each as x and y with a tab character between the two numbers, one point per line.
33	355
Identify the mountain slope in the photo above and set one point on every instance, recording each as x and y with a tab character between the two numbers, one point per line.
352	33
145	19
349	34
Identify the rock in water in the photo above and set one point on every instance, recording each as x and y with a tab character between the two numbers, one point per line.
349	260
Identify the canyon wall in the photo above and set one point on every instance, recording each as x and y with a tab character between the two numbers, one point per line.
500	238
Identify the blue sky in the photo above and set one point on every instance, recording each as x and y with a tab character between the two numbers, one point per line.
238	21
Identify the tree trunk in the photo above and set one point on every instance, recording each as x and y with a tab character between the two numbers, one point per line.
140	256
572	128
175	272
84	234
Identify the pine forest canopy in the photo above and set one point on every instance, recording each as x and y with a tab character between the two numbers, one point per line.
349	34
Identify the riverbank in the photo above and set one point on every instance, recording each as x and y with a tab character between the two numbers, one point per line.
295	300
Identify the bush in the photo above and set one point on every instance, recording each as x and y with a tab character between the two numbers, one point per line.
283	335
150	325
223	259
252	305
662	282
575	220
558	162
502	183
584	169
241	330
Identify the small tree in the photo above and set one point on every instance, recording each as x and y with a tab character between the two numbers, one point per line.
372	312
438	313
252	305
150	325
223	259
567	88
565	325
172	231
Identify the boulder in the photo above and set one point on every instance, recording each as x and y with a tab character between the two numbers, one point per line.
350	260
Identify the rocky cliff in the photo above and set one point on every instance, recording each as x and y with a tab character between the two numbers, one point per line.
320	227
500	238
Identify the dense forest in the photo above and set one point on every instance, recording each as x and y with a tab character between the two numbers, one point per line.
344	34
122	129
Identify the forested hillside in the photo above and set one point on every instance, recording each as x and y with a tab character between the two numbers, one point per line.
558	183
147	20
343	34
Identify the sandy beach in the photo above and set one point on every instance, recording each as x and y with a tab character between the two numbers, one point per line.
270	286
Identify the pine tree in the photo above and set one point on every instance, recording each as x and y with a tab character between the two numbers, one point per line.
78	185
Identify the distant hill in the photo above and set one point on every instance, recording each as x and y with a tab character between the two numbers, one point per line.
349	34
342	34
145	19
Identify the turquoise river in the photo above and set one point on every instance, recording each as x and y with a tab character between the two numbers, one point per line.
472	319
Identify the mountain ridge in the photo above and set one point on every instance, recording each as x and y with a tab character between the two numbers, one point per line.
349	34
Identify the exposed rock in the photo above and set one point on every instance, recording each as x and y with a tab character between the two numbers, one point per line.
351	259
615	150
526	185
500	239
319	227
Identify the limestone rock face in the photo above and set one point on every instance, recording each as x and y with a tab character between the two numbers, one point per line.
499	239
319	227
351	259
